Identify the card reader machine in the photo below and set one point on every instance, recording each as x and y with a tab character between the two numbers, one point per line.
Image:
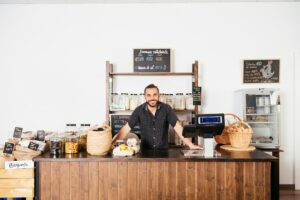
206	126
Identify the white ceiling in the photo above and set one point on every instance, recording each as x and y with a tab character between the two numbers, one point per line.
128	1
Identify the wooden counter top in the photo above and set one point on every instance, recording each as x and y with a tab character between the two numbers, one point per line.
171	154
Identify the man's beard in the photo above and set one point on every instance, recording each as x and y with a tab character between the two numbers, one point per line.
148	102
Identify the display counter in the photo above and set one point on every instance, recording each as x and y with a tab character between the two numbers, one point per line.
160	174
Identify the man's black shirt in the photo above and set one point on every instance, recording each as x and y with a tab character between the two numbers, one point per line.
154	129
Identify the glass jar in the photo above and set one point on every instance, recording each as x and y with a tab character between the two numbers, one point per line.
179	102
189	101
71	144
170	100
126	100
163	98
141	99
82	137
133	101
56	146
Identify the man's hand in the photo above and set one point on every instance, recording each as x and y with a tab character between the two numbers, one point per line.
192	146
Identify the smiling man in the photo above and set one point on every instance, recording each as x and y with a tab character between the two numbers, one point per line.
154	118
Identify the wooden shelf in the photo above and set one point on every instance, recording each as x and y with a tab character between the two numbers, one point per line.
151	73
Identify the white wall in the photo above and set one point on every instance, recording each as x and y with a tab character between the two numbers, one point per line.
52	57
297	120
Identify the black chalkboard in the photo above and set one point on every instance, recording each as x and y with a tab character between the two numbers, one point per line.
33	146
151	60
18	132
41	135
261	71
196	95
118	121
8	148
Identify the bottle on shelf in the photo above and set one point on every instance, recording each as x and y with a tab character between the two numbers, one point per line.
179	102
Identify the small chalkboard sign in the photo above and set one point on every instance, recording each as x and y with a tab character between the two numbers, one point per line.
196	95
41	135
8	148
18	132
118	121
151	60
261	71
33	146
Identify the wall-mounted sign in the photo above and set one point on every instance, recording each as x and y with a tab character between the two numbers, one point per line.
196	95
151	60
261	71
18	132
8	148
118	121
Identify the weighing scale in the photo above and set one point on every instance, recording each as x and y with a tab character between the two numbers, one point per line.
206	126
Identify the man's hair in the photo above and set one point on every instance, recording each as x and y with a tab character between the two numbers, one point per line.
150	86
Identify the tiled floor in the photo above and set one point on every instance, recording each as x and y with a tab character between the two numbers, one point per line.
289	194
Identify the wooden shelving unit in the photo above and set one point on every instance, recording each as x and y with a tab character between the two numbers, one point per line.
109	83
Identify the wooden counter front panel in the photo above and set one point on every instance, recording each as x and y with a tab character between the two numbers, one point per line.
154	180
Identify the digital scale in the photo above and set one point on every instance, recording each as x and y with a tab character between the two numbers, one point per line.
206	126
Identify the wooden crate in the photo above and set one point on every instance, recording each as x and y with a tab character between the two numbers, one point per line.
17	183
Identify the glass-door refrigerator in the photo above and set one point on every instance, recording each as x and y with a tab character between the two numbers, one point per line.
260	108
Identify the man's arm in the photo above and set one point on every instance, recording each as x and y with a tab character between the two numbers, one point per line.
122	133
179	129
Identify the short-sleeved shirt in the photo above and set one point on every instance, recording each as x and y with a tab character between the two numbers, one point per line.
154	129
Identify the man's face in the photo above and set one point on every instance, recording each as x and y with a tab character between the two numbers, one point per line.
152	96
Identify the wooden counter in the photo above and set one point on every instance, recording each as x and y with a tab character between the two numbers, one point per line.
158	175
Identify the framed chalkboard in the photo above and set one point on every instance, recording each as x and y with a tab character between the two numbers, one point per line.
118	121
261	71
151	60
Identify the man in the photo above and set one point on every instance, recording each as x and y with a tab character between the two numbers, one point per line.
154	118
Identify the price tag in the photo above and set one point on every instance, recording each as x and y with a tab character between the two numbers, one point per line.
8	148
18	132
33	146
41	135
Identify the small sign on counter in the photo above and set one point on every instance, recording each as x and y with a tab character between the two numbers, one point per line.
8	148
18	132
33	146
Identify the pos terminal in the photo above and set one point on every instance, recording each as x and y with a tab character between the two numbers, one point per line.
206	126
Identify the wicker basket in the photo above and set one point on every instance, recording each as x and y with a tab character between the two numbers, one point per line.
240	134
224	138
99	142
23	153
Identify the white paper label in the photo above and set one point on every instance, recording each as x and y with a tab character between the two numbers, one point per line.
22	164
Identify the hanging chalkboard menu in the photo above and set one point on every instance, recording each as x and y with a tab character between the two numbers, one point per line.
261	71
151	60
118	121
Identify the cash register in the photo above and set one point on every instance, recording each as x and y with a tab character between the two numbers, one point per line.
205	126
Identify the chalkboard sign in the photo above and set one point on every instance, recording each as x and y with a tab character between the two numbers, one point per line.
33	146
151	60
196	95
8	148
18	132
118	121
261	71
41	135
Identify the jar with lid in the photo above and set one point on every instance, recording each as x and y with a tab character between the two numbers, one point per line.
82	137
189	101
125	98
71	144
170	100
179	102
56	146
163	98
141	99
133	101
71	129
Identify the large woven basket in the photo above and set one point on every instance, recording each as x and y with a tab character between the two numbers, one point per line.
240	134
23	153
224	137
99	142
